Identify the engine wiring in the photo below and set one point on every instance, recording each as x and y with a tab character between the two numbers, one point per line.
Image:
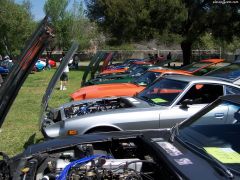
64	173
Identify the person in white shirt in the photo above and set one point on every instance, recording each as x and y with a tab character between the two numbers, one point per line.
64	77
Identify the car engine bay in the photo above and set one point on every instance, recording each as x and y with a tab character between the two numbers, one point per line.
125	159
83	108
97	106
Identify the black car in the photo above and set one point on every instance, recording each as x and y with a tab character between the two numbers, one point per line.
206	146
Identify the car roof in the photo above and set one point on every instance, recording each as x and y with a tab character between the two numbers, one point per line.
178	71
199	79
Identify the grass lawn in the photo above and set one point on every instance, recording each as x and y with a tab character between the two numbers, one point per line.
21	124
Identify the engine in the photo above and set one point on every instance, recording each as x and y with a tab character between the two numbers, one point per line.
95	167
92	107
118	159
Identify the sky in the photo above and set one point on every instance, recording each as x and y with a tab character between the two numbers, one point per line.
37	8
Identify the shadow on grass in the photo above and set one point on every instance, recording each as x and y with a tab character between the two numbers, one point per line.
30	141
80	68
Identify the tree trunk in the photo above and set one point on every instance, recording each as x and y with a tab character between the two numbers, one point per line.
187	52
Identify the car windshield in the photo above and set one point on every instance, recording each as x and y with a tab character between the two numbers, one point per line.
163	92
129	61
230	72
147	78
139	70
195	66
216	130
132	67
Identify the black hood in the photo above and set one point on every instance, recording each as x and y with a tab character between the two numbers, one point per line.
94	64
33	48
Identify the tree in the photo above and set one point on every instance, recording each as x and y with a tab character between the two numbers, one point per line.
16	25
82	30
121	18
61	20
28	6
205	17
143	19
69	24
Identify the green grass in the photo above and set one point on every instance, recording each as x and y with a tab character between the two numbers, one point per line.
21	127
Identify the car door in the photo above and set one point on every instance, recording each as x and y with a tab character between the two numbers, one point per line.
199	95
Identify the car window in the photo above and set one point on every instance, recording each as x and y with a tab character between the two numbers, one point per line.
232	90
195	66
138	70
203	93
163	91
218	128
229	72
147	78
204	70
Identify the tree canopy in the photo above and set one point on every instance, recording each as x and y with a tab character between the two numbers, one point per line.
69	24
144	19
16	25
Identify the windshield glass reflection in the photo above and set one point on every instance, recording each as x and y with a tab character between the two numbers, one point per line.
218	132
147	78
163	92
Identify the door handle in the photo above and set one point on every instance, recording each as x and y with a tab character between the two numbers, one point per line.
219	115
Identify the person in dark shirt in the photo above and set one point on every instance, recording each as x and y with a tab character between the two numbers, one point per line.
169	57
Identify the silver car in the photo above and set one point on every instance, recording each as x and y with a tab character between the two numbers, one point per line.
167	101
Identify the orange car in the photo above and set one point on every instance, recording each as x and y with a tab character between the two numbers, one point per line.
122	89
202	67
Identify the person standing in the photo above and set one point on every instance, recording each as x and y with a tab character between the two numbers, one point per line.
47	64
64	76
169	57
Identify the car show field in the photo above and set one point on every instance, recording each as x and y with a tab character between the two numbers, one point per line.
119	90
22	120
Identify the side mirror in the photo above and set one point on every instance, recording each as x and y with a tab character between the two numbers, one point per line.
185	103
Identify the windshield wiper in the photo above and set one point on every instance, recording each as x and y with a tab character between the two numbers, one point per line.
209	157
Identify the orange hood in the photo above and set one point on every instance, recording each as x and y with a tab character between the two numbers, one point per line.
106	90
112	71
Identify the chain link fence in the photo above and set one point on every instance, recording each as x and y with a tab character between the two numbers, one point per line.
121	55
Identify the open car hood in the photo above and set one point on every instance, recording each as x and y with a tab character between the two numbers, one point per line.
55	78
33	49
94	64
